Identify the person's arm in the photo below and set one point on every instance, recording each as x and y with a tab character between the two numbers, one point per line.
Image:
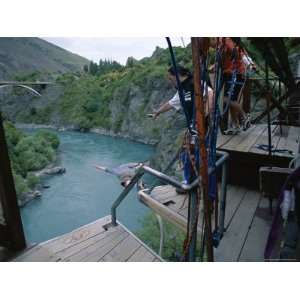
248	61
100	168
209	105
212	68
162	109
173	103
112	171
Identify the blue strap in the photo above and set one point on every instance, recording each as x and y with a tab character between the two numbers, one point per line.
179	85
212	189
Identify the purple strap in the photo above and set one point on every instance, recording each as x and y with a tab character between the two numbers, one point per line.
273	234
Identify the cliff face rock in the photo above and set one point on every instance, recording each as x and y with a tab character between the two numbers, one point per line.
21	106
130	106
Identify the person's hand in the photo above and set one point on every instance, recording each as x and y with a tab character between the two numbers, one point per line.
211	68
154	115
150	116
253	68
99	167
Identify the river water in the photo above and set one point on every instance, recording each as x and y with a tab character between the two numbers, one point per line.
84	194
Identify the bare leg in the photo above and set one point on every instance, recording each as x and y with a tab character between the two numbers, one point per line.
236	112
209	106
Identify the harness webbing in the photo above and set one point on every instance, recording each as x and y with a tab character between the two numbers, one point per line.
179	85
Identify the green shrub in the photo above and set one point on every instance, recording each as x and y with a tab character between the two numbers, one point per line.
150	234
29	153
32	180
20	184
49	136
13	135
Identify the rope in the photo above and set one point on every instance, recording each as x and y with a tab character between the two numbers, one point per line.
265	147
182	41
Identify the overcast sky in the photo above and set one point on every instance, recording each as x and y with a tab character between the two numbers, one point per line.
118	49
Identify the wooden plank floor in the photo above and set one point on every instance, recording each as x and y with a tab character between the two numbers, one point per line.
246	141
247	220
246	235
92	243
245	155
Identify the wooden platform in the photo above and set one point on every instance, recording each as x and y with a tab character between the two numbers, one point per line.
247	220
246	141
92	243
248	223
244	154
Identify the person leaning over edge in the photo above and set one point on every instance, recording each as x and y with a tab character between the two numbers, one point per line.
187	84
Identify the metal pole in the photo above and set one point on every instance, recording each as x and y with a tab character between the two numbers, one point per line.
269	124
124	193
223	199
268	107
192	221
162	234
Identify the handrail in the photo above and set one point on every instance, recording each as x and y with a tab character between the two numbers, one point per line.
165	178
124	193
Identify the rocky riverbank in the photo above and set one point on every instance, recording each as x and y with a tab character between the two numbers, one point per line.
36	191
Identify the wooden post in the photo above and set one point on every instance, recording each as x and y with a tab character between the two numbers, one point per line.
199	49
8	198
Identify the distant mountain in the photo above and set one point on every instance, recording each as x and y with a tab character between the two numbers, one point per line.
20	56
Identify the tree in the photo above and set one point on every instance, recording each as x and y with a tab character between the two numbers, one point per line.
93	68
86	68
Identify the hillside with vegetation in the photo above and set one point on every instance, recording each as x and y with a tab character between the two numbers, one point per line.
107	98
21	56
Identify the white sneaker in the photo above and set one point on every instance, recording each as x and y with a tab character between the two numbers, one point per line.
246	123
232	130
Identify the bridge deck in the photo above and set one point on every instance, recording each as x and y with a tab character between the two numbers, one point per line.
26	82
93	242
